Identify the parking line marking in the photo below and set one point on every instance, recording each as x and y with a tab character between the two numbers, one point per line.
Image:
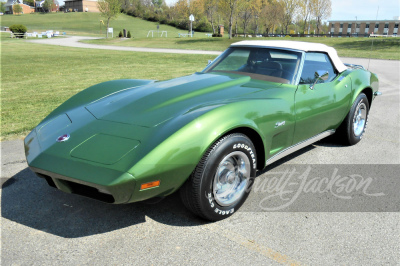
252	245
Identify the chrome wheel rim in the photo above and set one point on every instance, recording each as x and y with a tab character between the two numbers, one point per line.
231	178
359	120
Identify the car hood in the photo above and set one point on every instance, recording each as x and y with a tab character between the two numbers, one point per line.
153	104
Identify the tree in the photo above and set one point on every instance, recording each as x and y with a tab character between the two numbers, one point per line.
305	10
48	5
2	7
229	8
110	9
257	13
210	7
271	14
321	10
290	7
246	14
29	2
17	9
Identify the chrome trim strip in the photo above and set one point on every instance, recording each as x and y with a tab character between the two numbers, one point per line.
354	66
300	69
377	93
299	146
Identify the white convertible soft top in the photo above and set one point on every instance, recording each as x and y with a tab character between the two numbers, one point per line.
300	46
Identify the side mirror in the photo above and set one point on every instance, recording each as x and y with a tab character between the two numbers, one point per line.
320	75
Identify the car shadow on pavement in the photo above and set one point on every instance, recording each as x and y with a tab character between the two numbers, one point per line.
28	200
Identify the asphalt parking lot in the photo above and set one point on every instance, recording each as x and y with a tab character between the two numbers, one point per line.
348	226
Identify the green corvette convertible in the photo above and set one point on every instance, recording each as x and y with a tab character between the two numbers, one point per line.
205	134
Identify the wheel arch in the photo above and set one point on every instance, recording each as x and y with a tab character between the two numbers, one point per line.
364	82
256	139
368	92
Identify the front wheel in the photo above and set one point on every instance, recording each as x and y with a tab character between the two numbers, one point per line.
222	180
355	123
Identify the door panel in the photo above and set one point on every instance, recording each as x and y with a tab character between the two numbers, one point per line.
320	109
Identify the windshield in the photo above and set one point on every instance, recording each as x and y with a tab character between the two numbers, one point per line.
259	63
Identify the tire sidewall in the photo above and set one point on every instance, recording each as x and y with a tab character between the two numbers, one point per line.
209	206
353	139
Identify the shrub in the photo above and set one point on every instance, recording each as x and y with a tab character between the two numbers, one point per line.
129	34
120	34
18	28
203	25
216	35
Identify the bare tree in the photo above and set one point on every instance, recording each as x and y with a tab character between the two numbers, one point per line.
257	13
305	10
272	14
110	9
290	8
210	7
246	14
229	8
321	10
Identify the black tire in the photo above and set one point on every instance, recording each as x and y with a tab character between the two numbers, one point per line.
203	193
348	132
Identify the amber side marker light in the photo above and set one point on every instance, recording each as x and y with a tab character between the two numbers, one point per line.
150	185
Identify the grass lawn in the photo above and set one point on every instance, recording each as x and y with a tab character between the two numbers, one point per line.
35	78
81	23
383	48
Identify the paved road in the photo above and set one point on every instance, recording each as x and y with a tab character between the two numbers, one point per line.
74	41
41	225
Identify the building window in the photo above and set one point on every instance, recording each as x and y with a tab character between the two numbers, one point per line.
367	26
358	25
376	25
386	25
396	26
349	28
341	25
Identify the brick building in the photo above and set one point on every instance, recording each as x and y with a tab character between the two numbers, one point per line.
25	8
364	28
81	5
39	6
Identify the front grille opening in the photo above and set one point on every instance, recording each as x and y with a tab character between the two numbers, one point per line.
80	189
90	192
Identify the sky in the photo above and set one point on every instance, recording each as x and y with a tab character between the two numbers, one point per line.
363	9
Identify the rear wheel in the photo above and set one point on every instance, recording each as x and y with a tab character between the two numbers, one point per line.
353	127
222	180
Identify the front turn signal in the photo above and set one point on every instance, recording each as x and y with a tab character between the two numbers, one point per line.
150	185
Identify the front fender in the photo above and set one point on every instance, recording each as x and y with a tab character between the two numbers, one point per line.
94	93
174	159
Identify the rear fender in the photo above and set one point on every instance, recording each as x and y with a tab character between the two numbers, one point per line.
364	82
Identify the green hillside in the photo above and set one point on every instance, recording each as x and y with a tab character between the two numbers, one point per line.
79	23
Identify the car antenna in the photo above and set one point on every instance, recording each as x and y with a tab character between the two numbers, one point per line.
372	43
